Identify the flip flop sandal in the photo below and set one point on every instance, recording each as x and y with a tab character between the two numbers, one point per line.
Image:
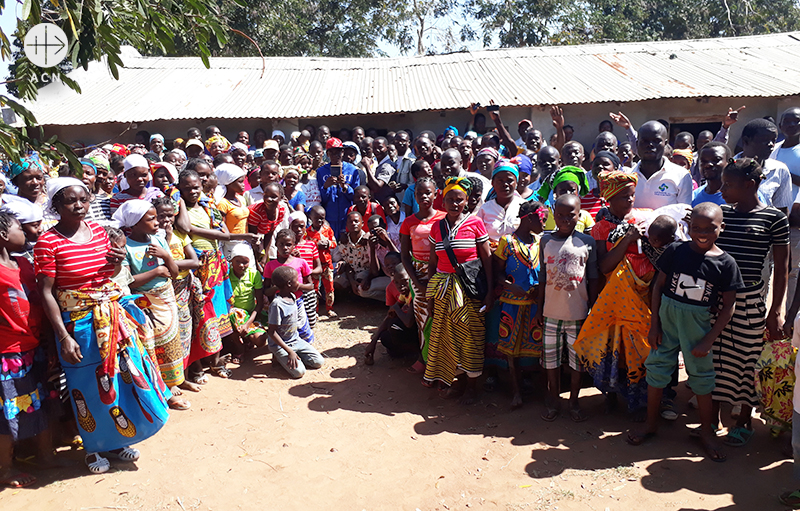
18	480
225	359
738	437
99	466
550	414
695	432
637	440
124	454
791	499
578	415
199	379
221	372
714	455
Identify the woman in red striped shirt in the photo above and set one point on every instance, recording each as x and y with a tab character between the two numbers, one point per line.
116	390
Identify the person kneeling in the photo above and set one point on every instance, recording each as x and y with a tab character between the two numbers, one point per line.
293	353
398	332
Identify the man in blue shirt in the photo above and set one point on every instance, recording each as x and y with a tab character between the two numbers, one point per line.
337	191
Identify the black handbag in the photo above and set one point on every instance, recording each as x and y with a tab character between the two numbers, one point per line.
471	274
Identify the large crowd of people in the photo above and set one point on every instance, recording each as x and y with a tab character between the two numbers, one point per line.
133	278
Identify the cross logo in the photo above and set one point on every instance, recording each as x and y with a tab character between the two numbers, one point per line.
46	45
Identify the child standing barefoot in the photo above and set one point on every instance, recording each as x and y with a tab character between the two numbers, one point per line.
693	275
517	263
293	353
567	290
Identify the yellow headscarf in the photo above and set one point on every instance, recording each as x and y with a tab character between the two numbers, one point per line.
458	183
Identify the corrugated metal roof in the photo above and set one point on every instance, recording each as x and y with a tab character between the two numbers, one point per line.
154	88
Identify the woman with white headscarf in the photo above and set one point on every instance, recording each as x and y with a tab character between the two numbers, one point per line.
117	394
229	197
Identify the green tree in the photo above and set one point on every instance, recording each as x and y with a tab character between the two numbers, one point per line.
96	31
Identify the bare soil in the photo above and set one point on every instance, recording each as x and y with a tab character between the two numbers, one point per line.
353	437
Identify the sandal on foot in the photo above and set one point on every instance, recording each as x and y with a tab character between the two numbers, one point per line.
577	415
221	372
738	437
791	499
199	379
18	480
715	454
124	454
550	414
636	439
100	465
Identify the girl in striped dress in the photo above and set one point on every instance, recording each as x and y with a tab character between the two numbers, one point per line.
307	250
751	229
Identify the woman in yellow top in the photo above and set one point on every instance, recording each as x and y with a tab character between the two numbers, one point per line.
229	198
567	180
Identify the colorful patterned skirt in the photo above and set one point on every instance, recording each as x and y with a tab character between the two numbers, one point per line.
117	393
24	394
775	383
162	310
183	299
239	318
457	331
210	316
420	305
612	345
738	347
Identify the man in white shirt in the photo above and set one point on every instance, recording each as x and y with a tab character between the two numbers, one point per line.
787	151
661	182
451	167
402	177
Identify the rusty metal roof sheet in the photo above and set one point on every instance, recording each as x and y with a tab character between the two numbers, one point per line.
155	88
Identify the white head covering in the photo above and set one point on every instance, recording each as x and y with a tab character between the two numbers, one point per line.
298	215
135	160
171	170
25	211
56	185
226	173
156	136
243	250
131	212
238	145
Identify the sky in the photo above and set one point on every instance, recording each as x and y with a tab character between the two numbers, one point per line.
8	23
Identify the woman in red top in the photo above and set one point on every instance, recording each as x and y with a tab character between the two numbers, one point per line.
415	252
457	329
23	363
117	393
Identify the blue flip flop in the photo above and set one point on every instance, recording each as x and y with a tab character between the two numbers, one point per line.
738	437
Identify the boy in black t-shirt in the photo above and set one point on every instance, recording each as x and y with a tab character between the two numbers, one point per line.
693	276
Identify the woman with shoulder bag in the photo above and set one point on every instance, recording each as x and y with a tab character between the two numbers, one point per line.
455	291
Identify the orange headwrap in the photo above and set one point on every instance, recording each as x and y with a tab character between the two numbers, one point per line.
612	183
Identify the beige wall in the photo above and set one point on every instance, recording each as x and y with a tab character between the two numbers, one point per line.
585	119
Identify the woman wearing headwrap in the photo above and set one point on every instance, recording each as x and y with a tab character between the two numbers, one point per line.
165	175
500	216
28	177
217	144
230	202
485	161
100	207
604	161
118	395
150	263
570	180
457	328
613	341
525	166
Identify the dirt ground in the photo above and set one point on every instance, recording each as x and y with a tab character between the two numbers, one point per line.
353	437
